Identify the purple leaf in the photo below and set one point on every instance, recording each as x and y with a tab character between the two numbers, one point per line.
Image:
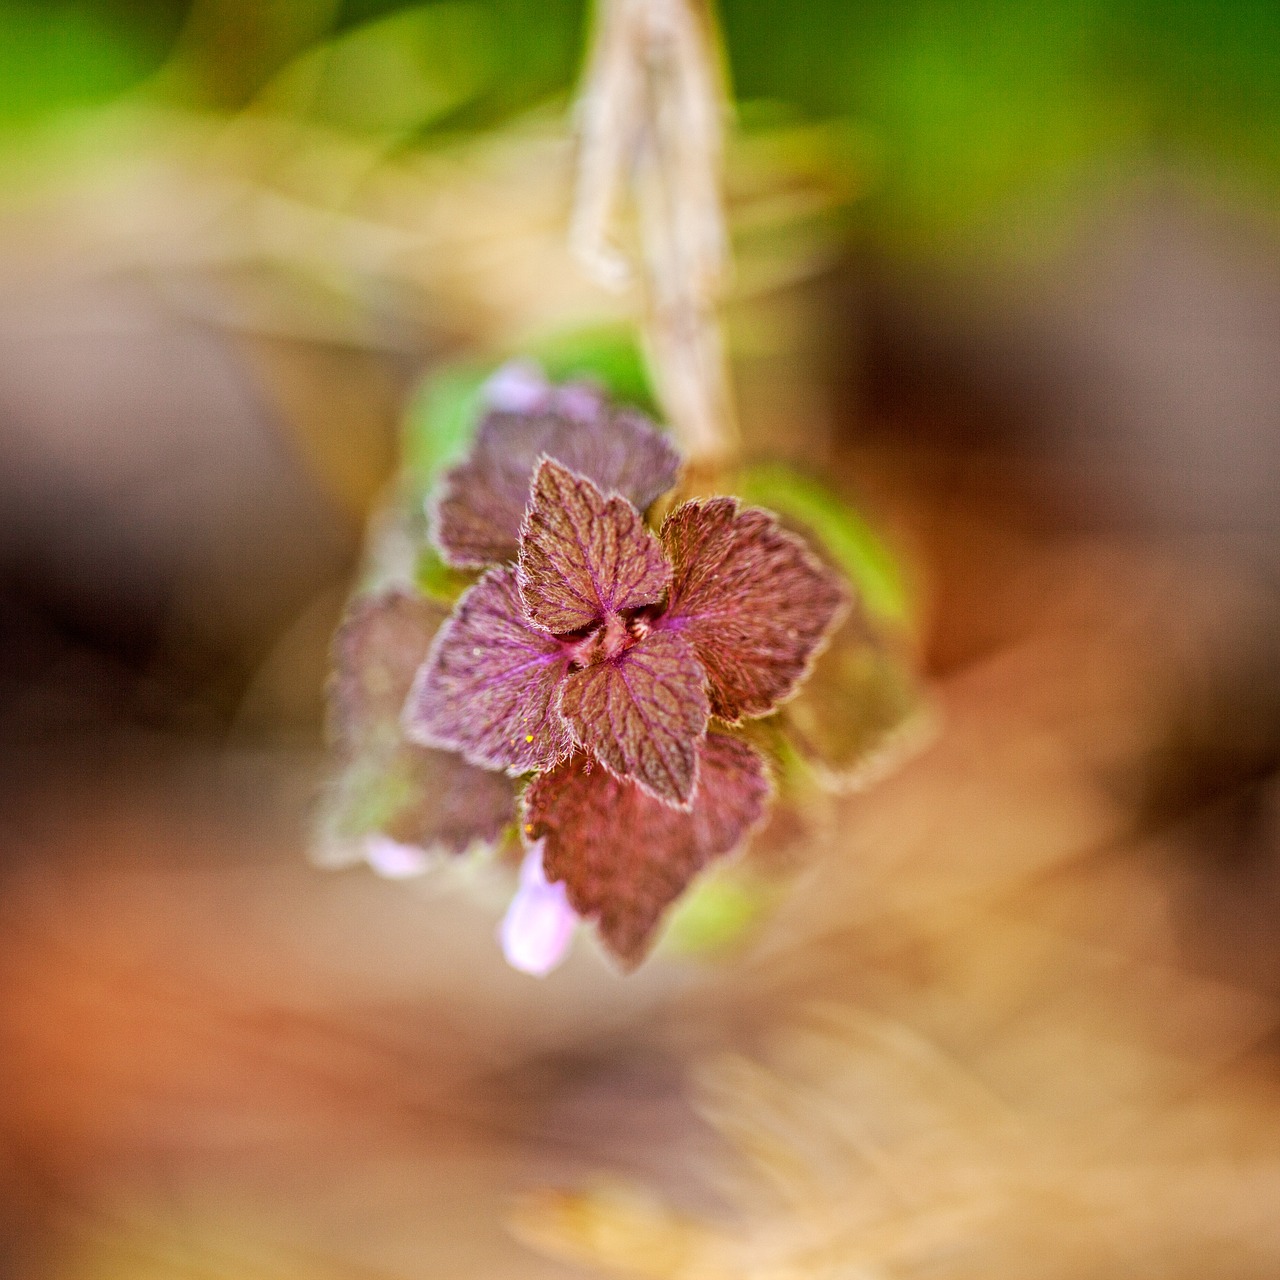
752	599
415	796
481	503
584	557
388	789
489	686
449	804
377	650
623	856
642	714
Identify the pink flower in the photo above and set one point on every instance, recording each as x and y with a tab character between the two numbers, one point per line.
538	927
393	858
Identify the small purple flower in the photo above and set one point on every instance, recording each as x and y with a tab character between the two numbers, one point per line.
393	859
579	401
519	386
538	927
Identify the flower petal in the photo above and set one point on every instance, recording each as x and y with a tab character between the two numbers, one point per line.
584	557
752	599
519	386
642	715
538	927
392	859
623	856
481	503
489	687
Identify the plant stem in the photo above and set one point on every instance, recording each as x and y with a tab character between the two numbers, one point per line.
652	114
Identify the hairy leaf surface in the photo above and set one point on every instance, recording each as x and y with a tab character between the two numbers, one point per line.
482	500
584	557
431	799
377	650
489	686
643	714
752	599
625	856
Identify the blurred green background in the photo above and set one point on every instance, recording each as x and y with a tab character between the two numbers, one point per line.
971	107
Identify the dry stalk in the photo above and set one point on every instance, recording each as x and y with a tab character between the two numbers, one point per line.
652	136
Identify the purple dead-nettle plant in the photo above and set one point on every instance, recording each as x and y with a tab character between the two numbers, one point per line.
609	661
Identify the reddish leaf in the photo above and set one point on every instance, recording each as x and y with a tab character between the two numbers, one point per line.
752	599
433	800
623	856
376	653
584	557
642	714
489	686
481	504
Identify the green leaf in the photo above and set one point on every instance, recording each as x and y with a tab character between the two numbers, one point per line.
395	74
438	580
370	795
862	708
861	711
441	419
849	540
57	55
718	911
